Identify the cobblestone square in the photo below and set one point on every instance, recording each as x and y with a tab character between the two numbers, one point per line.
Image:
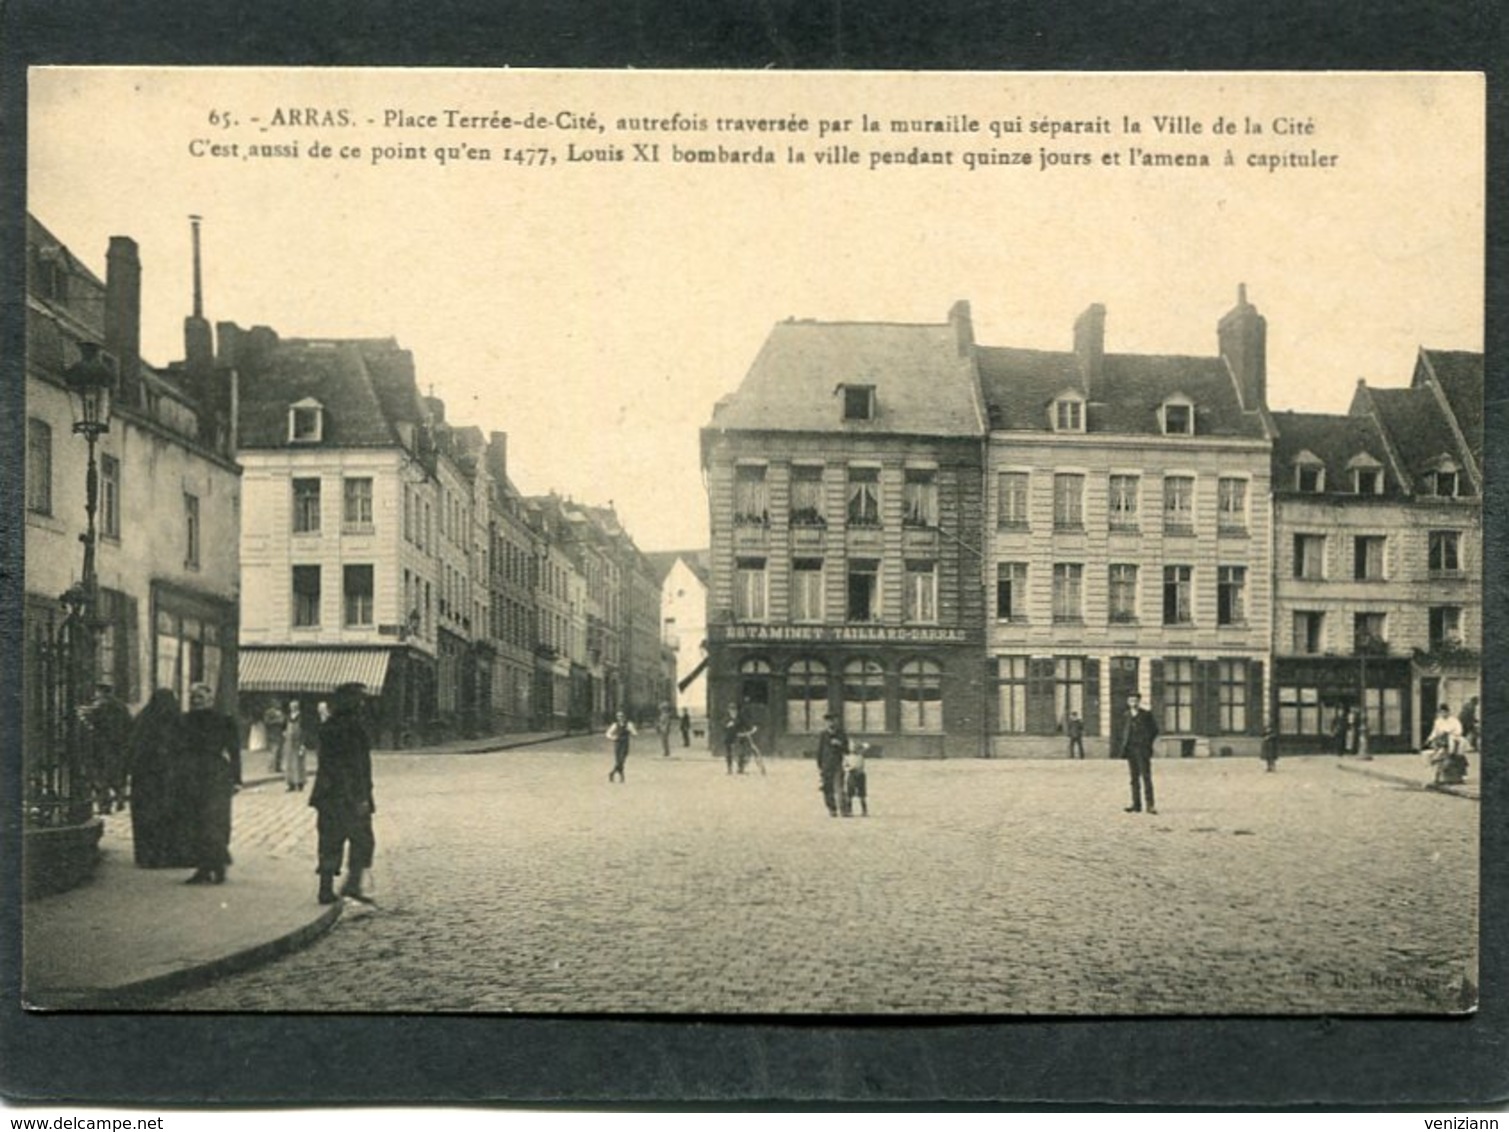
525	882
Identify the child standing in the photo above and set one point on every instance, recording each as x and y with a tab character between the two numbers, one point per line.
854	780
620	731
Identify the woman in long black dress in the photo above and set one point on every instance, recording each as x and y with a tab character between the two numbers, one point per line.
159	820
214	753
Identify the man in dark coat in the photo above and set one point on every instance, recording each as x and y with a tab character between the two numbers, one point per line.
832	745
342	796
1137	737
213	744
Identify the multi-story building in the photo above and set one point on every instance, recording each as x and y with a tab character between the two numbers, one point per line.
511	568
562	694
683	613
1128	540
169	489
844	480
1378	589
341	544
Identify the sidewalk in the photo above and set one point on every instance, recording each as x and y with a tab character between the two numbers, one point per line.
131	934
1412	770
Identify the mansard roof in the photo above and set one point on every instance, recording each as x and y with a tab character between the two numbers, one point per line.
923	385
1417	427
1336	440
1459	373
1019	385
336	373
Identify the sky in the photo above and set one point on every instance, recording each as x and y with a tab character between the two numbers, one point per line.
597	310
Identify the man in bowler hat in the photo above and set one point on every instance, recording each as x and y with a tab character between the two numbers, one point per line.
1137	737
832	745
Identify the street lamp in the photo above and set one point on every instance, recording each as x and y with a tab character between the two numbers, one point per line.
92	379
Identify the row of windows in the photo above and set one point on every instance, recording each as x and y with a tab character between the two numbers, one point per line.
1369	556
1301	711
1124	502
1444	482
808	591
1310	629
809	506
1123	593
860	687
356	505
356	592
1037	695
1176	416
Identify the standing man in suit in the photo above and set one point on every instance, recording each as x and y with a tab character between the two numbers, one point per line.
1137	748
832	745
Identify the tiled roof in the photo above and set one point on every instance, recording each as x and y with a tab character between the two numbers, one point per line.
336	374
1416	425
922	385
1021	385
1335	439
1460	375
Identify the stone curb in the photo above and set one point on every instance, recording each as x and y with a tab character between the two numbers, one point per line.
139	993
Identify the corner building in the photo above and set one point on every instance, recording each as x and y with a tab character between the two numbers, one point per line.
1128	541
845	489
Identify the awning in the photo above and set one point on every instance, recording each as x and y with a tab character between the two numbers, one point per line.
311	670
692	675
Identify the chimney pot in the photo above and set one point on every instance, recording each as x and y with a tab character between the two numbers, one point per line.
123	305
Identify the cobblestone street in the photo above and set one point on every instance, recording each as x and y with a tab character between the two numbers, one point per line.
523	881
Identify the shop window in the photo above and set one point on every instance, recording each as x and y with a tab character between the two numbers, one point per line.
1385	711
806	696
1231	690
1299	711
1068	688
1178	695
921	696
864	697
1011	694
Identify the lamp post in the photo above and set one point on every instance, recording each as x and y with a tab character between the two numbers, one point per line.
92	380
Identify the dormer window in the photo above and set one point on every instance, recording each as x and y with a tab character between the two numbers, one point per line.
306	422
1309	474
1069	413
1178	417
1443	479
859	402
1367	474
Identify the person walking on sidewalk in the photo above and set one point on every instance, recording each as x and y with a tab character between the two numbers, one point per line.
665	722
686	727
1137	748
620	731
734	725
293	748
159	825
275	726
214	766
342	797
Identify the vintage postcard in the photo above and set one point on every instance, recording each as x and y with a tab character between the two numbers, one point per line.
753	544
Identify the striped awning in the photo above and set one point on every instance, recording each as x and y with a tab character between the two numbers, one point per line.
311	670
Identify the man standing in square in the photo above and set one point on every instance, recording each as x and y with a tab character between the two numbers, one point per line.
1137	748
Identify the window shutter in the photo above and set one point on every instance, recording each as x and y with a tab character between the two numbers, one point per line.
1207	697
1155	671
128	658
1257	708
1092	697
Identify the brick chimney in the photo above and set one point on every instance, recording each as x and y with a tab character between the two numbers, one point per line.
1090	348
964	327
198	338
123	306
1243	337
497	455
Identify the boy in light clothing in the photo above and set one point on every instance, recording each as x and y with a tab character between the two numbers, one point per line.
854	780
